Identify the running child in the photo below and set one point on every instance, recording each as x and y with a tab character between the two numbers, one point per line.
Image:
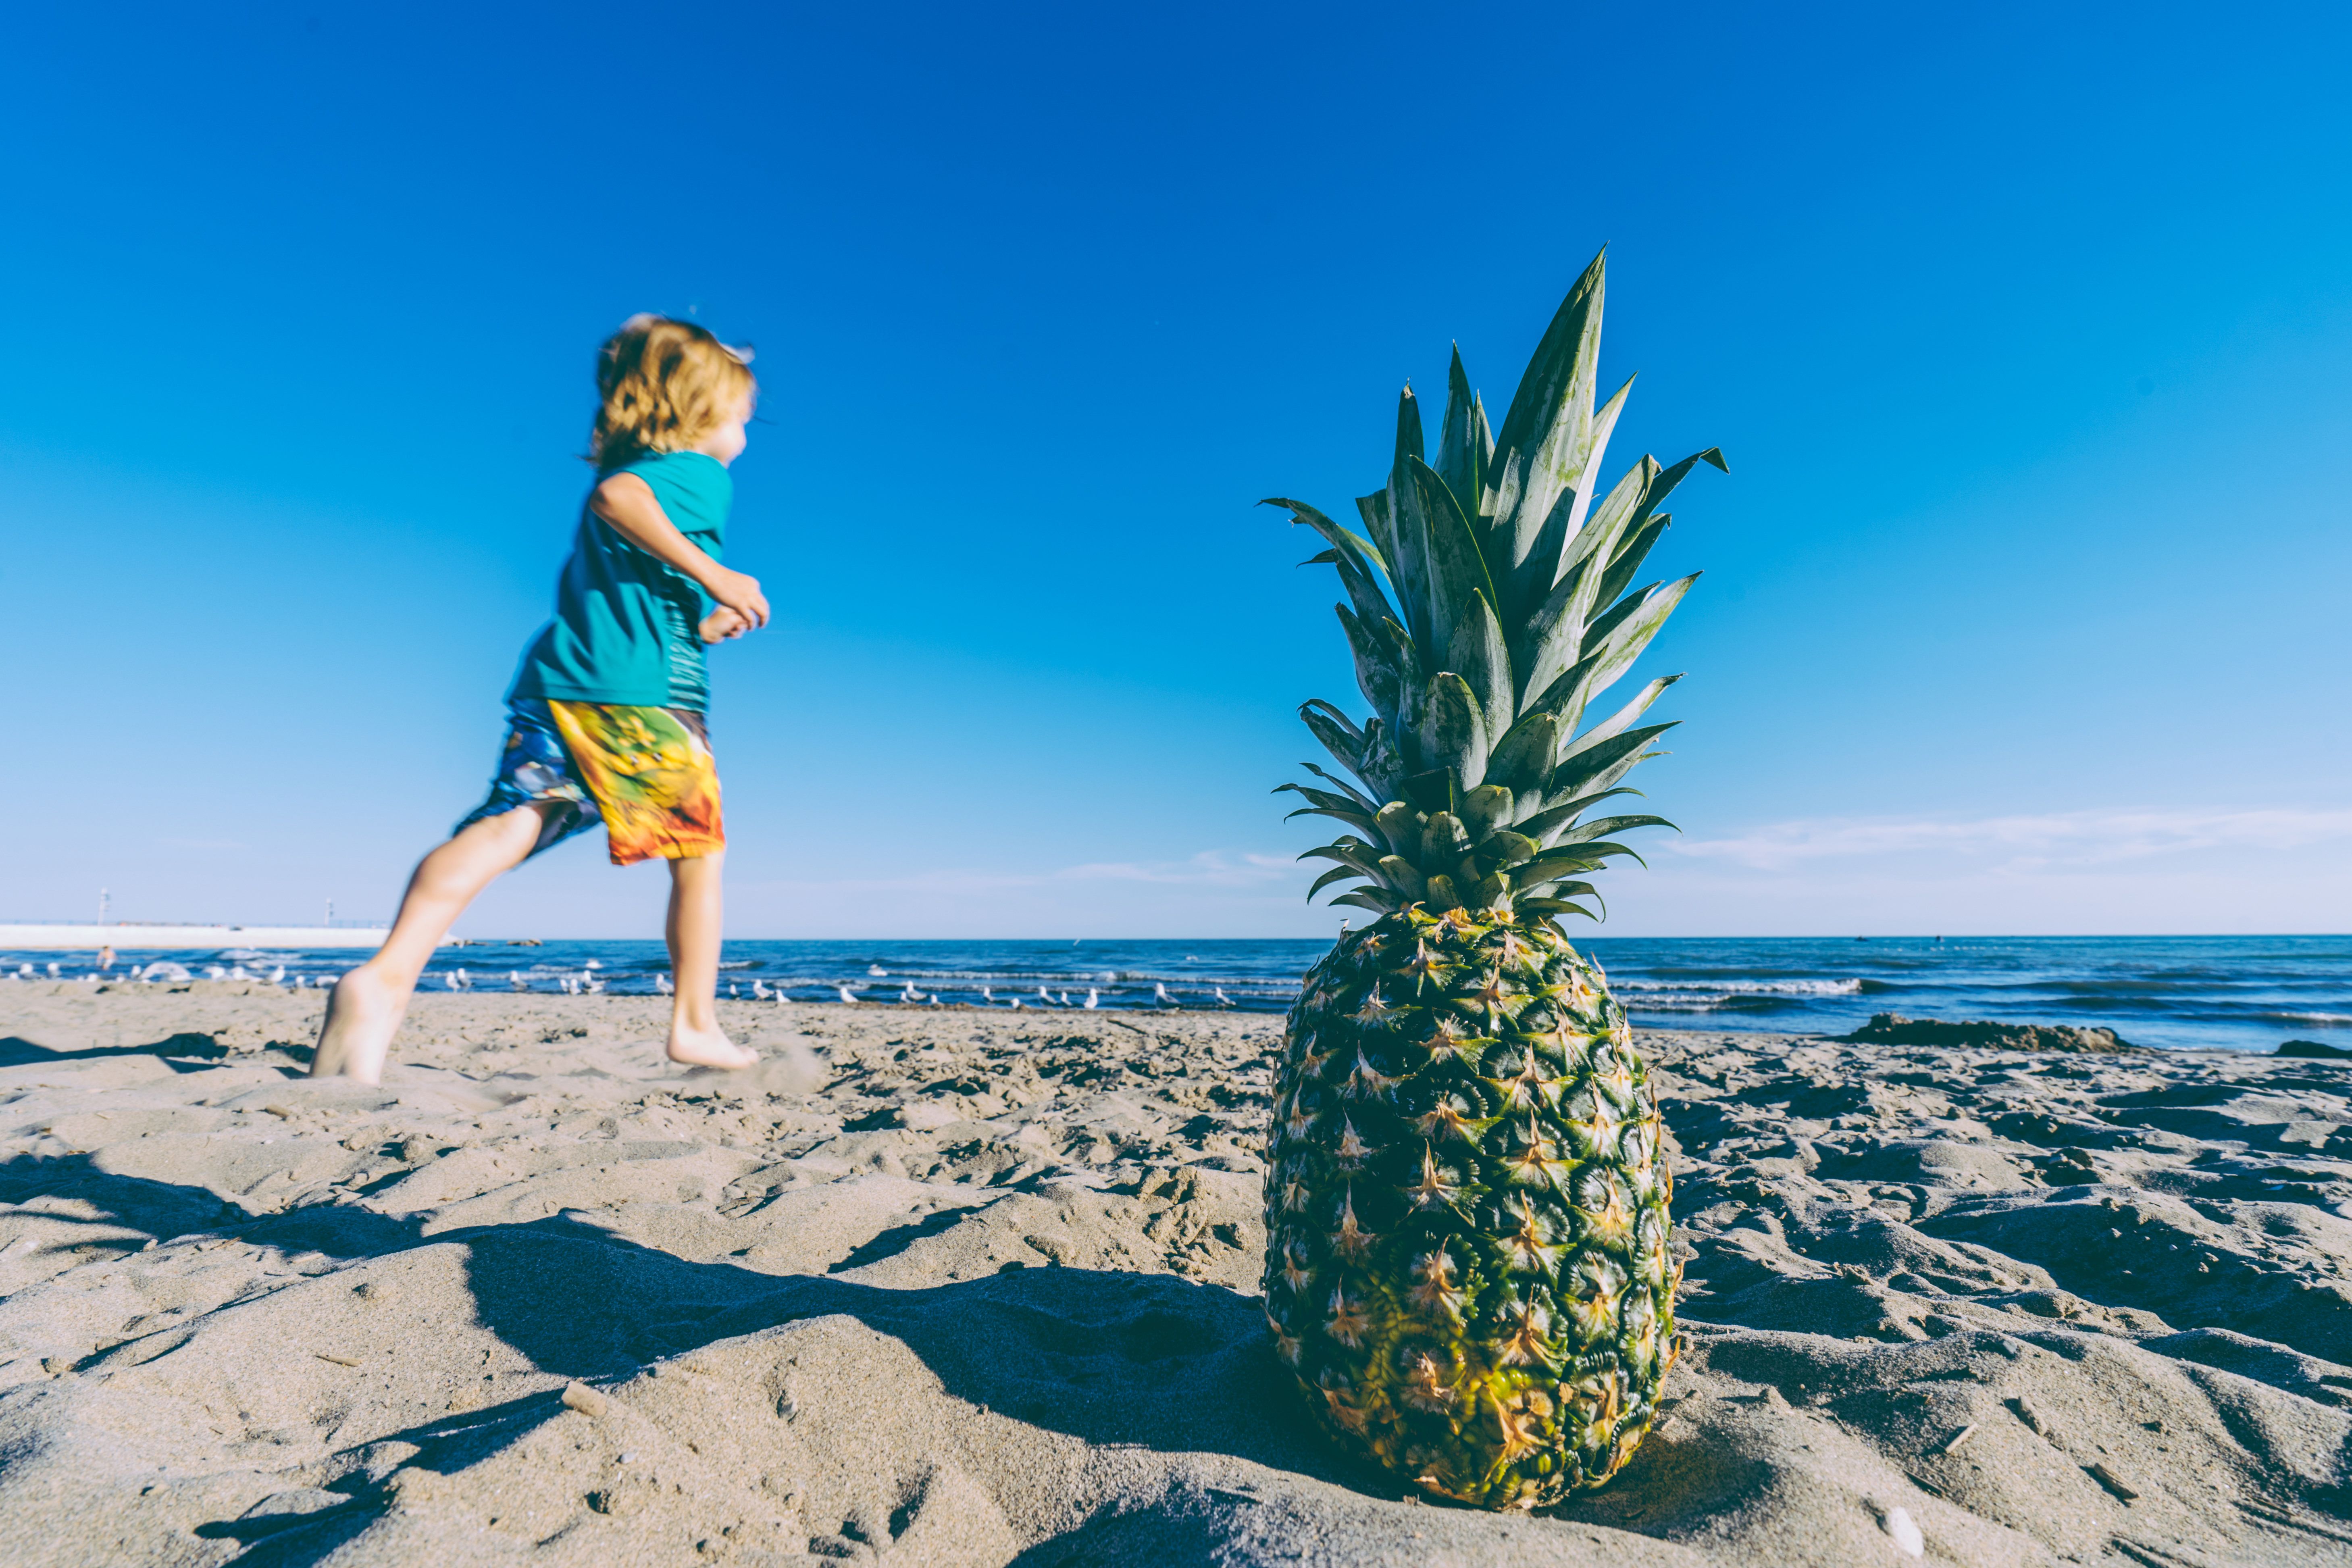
606	716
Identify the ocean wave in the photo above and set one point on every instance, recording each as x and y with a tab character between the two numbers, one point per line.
2336	1020
1738	988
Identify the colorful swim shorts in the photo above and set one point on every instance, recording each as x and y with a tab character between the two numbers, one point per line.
647	772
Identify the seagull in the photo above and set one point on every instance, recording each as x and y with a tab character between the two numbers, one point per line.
450	980
591	983
663	986
53	972
759	991
1066	998
278	975
845	993
878	970
1159	992
908	994
1222	1000
1094	999
1016	1004
516	981
1042	996
731	991
934	999
987	995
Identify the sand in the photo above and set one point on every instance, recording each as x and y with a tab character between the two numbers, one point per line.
937	1285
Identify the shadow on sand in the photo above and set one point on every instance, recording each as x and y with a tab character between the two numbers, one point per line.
1114	1358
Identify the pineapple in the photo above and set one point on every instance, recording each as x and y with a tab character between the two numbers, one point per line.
1466	1197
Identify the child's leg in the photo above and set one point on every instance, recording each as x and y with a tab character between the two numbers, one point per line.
695	903
364	1011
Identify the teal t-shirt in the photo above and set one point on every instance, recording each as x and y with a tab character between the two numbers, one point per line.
624	623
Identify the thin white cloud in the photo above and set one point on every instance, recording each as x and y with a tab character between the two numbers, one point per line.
1211	868
2064	838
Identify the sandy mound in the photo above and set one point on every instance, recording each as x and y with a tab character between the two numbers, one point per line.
964	1288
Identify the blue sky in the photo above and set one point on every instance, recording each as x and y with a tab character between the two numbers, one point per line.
2027	331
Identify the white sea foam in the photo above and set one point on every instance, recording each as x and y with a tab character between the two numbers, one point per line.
1726	988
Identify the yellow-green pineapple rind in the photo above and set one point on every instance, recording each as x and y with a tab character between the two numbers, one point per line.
1467	1209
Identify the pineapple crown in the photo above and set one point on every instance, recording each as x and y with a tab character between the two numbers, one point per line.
1507	610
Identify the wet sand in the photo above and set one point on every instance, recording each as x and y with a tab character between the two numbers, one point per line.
962	1286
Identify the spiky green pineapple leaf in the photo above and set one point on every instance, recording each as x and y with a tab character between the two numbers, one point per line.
1464	445
1476	654
1454	730
1536	824
1524	760
1585	831
1430	519
1547	431
1533	576
1377	674
1624	640
1355	557
1336	874
1616	722
1344	787
1587	766
1486	807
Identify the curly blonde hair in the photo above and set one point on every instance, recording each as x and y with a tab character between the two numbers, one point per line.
662	385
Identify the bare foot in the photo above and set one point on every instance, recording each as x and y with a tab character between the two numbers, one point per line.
363	1012
709	1049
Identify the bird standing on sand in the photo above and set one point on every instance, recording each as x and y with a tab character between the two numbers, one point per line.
988	995
1222	1000
1094	999
515	982
663	986
1160	993
845	993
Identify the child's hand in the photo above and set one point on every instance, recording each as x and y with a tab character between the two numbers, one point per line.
739	592
722	624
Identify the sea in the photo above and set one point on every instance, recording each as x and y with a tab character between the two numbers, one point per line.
2184	993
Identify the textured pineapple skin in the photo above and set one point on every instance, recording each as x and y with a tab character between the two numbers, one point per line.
1467	1209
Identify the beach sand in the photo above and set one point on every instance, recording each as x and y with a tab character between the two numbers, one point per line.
949	1287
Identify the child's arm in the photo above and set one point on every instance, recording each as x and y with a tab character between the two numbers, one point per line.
627	503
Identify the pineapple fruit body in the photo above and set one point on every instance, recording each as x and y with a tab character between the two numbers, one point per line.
1466	1197
1467	1209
